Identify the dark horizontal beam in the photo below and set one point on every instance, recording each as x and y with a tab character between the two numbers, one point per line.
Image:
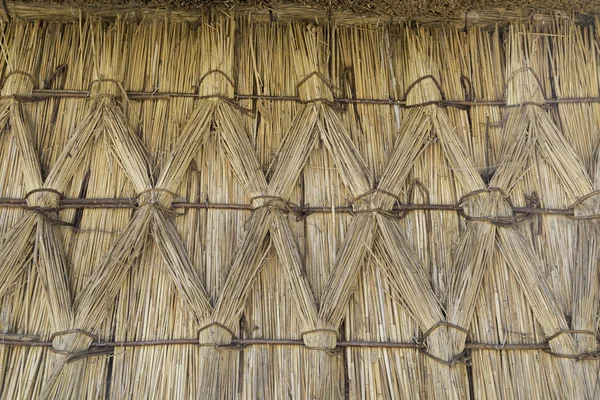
42	94
131	203
287	342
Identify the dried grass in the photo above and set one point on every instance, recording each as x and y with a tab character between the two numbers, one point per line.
217	274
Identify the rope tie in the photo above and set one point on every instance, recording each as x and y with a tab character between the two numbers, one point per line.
277	203
518	71
44	201
18	83
80	342
215	334
421	340
370	202
502	213
320	339
43	198
156	197
215	90
218	92
595	355
461	358
583	210
105	87
323	91
441	102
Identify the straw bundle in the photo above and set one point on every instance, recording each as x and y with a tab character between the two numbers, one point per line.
540	143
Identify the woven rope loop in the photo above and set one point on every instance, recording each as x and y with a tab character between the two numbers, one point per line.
105	87
162	198
316	87
215	334
220	80
276	203
320	339
594	356
423	337
18	83
415	83
586	207
43	199
490	205
462	358
578	357
377	201
520	71
75	344
569	331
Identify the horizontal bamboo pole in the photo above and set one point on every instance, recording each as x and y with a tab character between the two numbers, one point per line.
42	94
299	210
289	342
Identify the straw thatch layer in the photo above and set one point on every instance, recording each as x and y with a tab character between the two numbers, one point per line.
298	209
393	8
450	14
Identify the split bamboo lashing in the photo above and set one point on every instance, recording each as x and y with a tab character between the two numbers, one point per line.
299	211
42	94
544	346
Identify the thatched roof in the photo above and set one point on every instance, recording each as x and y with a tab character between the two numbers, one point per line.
461	13
231	204
389	8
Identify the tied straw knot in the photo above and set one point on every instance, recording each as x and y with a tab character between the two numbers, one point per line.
583	210
376	201
320	339
215	334
105	87
595	355
277	203
156	197
317	88
461	358
494	206
220	87
18	83
75	344
43	199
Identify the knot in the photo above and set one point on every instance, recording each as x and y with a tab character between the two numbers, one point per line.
376	201
105	87
320	339
156	197
75	344
221	85
587	355
421	340
43	199
18	83
461	358
436	98
315	87
215	334
490	204
584	209
277	203
529	90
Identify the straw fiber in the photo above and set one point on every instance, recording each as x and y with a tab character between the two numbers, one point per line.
401	8
237	208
